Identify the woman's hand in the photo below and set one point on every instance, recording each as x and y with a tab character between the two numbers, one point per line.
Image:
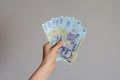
49	54
48	62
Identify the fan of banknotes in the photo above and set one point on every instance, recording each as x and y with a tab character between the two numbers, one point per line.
70	31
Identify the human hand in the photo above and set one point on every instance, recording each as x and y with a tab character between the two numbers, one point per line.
48	62
49	55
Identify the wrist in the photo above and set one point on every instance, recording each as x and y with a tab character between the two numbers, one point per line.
47	67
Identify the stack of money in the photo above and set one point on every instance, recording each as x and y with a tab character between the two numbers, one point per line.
70	31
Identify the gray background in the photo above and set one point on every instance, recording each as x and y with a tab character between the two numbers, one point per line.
21	38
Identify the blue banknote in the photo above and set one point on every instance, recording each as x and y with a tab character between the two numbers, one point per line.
68	51
68	29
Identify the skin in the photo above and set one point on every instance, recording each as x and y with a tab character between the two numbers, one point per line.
48	62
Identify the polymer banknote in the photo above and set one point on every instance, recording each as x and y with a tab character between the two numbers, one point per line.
68	29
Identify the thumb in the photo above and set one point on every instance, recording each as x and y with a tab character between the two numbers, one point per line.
57	46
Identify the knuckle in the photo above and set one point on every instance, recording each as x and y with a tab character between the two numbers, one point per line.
45	45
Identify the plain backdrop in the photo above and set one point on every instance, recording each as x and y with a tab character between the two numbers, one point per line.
22	38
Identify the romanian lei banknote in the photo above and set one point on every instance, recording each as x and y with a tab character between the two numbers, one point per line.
68	29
